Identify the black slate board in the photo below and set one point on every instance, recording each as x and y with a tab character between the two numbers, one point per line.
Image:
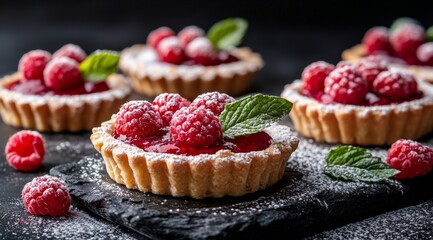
304	202
415	222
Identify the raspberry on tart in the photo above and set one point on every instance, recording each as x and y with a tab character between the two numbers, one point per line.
46	196
214	101
170	50
425	53
60	94
156	36
71	51
314	77
197	156
168	104
346	85
192	62
377	40
350	112
405	41
189	33
32	64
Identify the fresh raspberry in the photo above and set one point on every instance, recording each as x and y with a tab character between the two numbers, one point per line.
323	98
370	69
346	85
138	119
406	39
214	101
167	104
71	51
62	73
411	158
341	64
33	63
46	195
170	50
425	53
157	35
197	127
377	40
314	76
25	150
395	86
201	51
189	33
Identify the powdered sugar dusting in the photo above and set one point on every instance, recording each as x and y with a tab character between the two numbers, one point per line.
75	225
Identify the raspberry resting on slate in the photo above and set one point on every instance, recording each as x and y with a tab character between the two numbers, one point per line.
411	158
46	195
25	150
196	126
189	33
157	35
32	64
377	40
169	103
395	86
370	69
425	53
170	50
201	51
138	119
62	73
71	51
314	77
214	101
406	39
346	85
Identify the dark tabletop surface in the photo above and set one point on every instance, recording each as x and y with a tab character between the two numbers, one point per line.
288	34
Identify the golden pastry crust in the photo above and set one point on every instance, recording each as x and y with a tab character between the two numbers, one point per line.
53	113
206	175
151	77
424	73
359	125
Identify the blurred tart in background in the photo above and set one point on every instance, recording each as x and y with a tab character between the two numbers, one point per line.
192	62
64	92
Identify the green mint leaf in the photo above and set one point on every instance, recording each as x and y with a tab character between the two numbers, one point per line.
252	114
429	34
227	33
400	21
349	163
99	65
350	174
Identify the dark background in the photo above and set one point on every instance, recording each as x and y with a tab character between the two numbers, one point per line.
289	34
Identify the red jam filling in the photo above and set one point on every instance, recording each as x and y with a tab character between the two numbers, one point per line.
162	143
36	87
223	58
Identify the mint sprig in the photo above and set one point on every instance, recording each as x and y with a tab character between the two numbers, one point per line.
227	33
349	163
252	114
429	34
400	21
99	65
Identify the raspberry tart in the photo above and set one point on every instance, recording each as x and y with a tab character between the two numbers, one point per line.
66	91
211	147
192	63
364	104
405	46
